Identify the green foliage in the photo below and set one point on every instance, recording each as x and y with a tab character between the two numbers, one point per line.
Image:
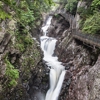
20	46
11	73
71	6
92	24
57	16
84	13
4	15
95	5
26	11
13	82
26	17
60	1
90	17
23	41
28	40
48	2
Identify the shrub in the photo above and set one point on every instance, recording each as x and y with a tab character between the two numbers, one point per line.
84	13
92	24
90	17
95	4
12	74
71	6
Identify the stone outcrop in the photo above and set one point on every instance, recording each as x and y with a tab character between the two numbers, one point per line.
59	24
85	83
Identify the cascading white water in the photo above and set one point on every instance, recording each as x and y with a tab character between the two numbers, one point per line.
57	71
44	28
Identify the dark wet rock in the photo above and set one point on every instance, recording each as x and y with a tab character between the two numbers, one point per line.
65	86
58	25
39	80
4	42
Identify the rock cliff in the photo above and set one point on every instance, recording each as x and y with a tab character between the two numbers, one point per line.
81	61
17	64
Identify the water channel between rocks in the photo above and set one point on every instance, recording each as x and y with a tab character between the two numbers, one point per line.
57	70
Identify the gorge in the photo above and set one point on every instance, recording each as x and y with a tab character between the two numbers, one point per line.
57	71
49	55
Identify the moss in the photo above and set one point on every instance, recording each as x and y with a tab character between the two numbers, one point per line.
22	41
12	83
12	74
28	41
20	47
4	15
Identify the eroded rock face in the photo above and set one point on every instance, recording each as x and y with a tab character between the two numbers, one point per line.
58	25
15	56
80	62
85	83
82	65
25	62
39	82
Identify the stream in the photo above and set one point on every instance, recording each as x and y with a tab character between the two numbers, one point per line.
57	70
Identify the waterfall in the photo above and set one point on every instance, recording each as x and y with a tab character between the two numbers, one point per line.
57	71
44	28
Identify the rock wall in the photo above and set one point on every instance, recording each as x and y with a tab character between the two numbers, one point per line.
20	58
81	62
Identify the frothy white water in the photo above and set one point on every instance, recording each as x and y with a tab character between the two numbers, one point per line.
58	87
46	45
57	71
44	28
